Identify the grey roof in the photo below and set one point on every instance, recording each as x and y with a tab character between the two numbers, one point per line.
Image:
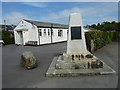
46	24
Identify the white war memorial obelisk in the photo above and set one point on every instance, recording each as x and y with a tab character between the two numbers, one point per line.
77	60
76	39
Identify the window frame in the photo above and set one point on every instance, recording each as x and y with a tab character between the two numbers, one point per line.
48	32
40	32
44	32
60	33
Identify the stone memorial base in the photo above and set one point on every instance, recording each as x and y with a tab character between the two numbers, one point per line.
76	65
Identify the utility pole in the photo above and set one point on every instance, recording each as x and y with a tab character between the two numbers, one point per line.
5	24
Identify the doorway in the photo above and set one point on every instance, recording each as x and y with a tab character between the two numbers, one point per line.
20	37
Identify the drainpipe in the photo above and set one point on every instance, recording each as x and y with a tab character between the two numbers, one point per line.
51	32
38	37
23	43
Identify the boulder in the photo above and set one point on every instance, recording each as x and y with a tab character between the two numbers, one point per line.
28	60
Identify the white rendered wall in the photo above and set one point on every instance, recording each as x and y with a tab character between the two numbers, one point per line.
45	39
16	34
16	37
30	35
57	38
33	34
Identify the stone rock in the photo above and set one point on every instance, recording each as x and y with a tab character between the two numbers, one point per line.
89	56
82	56
93	65
97	64
28	60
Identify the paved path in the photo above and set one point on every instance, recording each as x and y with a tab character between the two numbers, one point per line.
15	76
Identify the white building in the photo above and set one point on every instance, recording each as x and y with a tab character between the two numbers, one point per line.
29	32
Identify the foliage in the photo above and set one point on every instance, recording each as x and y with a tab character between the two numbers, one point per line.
6	37
100	38
106	26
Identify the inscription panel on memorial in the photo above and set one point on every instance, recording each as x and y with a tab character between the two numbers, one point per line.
76	33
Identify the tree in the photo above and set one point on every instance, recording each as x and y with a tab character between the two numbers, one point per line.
107	26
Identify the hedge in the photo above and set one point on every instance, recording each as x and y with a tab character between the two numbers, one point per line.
100	38
6	37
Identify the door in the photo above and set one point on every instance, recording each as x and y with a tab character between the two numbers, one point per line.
20	37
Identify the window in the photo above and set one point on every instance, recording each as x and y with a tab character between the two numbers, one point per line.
40	32
60	33
48	32
44	32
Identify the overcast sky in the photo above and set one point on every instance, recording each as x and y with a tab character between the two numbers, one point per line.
58	12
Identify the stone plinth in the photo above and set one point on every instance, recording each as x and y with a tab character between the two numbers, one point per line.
64	68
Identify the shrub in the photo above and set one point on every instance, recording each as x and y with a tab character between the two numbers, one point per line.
6	37
100	38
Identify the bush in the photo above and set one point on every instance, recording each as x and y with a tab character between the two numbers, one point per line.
6	37
100	38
